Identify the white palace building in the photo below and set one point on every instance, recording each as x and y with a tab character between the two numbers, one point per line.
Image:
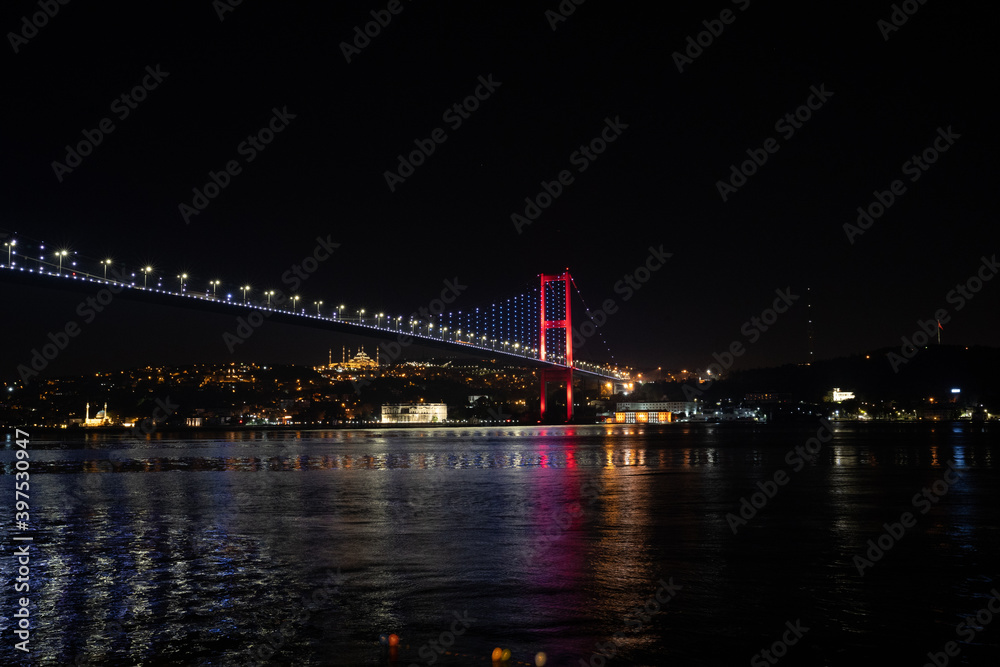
414	413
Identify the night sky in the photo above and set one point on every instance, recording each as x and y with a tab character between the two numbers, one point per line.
552	91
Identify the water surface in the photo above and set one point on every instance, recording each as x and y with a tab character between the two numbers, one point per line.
198	549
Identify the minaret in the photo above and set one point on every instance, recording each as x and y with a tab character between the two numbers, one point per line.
809	322
105	412
87	417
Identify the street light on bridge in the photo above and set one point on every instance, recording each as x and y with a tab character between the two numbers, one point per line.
60	254
317	304
182	278
361	315
10	247
341	309
269	294
378	321
294	299
214	284
106	264
245	288
146	270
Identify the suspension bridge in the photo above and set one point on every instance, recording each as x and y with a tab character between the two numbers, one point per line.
535	327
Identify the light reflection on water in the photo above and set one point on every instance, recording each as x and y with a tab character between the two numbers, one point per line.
183	551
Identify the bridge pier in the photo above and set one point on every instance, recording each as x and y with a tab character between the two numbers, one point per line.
559	375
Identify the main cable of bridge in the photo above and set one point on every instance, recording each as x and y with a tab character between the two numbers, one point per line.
597	328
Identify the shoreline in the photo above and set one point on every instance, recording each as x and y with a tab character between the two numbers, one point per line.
116	430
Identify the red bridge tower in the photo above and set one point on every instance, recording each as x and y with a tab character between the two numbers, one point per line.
561	374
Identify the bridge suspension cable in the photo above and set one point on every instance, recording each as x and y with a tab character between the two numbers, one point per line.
597	328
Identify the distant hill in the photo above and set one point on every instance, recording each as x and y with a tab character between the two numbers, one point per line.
932	371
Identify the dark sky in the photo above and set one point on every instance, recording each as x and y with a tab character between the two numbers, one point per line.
656	184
